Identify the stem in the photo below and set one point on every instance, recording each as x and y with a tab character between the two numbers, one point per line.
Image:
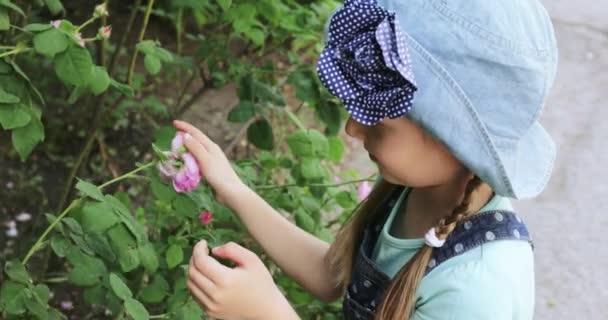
370	178
142	33
8	47
159	316
56	280
77	202
123	38
86	23
85	151
128	174
14	51
49	228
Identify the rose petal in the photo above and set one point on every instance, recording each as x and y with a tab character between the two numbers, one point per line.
205	217
177	142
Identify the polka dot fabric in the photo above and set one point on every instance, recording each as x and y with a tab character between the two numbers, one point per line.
366	63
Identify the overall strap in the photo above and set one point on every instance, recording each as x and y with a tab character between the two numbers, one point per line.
479	229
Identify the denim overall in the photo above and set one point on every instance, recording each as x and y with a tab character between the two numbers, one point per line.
368	282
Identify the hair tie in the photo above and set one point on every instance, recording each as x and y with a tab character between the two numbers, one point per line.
430	238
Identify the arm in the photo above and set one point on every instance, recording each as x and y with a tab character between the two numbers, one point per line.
299	254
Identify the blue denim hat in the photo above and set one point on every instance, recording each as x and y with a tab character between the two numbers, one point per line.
483	70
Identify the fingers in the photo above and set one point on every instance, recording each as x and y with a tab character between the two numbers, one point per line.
197	150
196	133
210	268
200	295
201	281
234	252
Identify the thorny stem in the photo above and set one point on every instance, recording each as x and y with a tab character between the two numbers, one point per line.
75	203
142	33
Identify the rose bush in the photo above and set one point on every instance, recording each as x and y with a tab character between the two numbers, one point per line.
74	97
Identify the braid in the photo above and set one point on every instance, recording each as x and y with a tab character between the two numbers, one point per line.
399	300
447	224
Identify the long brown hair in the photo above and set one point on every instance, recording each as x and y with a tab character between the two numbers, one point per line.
399	299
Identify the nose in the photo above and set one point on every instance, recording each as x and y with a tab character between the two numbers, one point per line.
354	129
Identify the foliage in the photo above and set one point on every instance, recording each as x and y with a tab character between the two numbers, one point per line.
128	251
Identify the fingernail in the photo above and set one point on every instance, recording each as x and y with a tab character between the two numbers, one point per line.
187	136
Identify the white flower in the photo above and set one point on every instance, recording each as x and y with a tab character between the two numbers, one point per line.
56	23
10	224
101	10
23	217
12	233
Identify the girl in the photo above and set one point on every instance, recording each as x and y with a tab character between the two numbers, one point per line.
445	96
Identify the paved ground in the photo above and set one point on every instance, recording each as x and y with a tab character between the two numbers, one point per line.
569	219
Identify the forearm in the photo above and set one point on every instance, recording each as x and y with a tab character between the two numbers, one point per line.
299	254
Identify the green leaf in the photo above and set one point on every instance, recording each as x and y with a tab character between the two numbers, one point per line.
155	291
311	168
189	311
61	246
99	81
148	257
152	64
82	276
95	295
260	134
55	6
162	191
256	35
26	78
12	296
243	111
37	308
345	199
43	292
13	116
306	88
74	66
16	271
267	94
174	256
37	27
50	42
119	287
6	97
225	4
304	221
10	5
5	20
73	225
90	190
308	143
27	137
136	310
122	88
336	149
98	217
129	260
184	206
100	245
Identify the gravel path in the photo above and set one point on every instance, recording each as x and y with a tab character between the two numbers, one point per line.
569	218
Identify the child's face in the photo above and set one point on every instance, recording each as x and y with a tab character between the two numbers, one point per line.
406	154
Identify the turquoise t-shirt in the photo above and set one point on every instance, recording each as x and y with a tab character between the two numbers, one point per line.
492	281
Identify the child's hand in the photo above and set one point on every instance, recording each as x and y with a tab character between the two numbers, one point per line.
212	161
245	292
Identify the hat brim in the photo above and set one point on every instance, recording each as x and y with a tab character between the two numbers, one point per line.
517	169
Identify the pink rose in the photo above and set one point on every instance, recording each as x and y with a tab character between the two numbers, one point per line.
205	217
181	167
104	32
364	190
189	176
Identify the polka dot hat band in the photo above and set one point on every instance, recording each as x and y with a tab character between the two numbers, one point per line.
366	62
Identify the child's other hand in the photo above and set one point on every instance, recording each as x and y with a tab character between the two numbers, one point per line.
212	161
244	292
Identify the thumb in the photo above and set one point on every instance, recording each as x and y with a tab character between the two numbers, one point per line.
234	252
